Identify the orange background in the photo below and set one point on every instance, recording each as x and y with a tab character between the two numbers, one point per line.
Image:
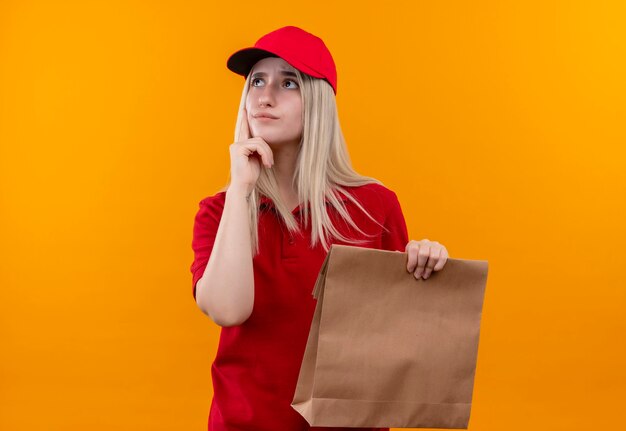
500	125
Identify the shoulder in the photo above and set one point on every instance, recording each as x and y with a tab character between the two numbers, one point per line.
378	200
374	194
210	208
214	201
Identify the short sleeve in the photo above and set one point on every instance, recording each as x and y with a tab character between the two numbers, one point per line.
205	226
395	237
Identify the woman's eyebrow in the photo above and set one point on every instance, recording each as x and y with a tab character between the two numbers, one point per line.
282	72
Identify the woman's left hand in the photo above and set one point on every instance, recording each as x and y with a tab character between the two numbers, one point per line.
424	257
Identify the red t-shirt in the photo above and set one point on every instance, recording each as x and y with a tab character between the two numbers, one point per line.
258	362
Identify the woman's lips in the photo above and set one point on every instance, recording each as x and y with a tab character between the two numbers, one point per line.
265	118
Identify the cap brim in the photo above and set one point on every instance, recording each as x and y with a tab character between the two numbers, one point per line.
242	61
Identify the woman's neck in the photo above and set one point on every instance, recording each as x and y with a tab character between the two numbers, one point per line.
285	157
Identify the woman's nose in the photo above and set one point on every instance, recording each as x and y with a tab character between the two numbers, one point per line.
266	96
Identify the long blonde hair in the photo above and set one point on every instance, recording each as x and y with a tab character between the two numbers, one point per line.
323	167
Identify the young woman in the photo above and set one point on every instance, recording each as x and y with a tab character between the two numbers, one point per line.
259	243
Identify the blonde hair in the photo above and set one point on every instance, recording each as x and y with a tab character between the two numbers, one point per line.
322	170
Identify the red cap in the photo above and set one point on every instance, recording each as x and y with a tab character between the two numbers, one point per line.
303	50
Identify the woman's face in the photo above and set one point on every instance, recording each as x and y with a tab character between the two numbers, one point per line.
274	91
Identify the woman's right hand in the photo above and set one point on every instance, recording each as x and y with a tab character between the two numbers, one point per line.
246	156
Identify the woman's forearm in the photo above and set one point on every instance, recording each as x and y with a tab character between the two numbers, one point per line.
225	292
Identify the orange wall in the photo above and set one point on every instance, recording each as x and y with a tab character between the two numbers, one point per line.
499	124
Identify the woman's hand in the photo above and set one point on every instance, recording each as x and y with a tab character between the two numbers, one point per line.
427	256
246	156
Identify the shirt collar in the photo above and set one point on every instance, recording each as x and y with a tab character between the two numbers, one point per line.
265	201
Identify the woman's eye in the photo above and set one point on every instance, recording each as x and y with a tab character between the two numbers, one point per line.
294	83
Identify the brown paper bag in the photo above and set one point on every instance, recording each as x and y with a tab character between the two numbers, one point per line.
388	350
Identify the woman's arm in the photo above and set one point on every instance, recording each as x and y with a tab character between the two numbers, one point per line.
225	292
